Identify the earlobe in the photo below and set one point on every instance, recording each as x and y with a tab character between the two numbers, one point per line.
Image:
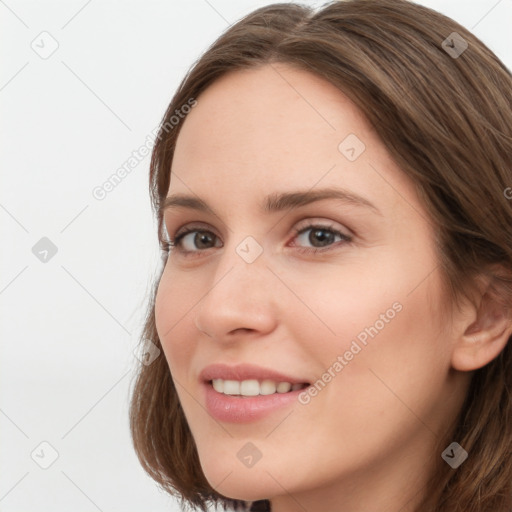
484	336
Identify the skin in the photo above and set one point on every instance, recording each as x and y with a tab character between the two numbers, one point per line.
374	425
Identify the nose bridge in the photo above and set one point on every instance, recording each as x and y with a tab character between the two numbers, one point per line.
243	261
240	294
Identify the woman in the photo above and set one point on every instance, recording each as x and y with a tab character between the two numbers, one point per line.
334	309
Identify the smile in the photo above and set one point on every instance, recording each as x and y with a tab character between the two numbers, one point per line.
253	387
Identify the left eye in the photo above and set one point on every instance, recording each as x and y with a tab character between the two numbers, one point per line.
325	236
320	237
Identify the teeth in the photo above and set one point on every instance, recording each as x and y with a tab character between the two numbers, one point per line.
283	387
253	387
267	387
231	387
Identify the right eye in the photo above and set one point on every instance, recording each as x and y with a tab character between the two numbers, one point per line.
191	240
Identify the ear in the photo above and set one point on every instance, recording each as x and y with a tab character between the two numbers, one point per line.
481	332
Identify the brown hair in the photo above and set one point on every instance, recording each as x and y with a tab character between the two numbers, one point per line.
446	120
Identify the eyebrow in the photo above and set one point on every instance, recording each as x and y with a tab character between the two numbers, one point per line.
277	201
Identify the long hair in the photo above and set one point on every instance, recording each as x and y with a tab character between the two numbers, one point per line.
444	113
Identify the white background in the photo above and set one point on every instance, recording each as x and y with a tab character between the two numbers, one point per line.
69	326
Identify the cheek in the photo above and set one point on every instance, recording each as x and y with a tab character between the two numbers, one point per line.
375	334
380	380
394	364
173	303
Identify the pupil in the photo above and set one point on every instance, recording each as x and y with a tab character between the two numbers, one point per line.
201	237
324	238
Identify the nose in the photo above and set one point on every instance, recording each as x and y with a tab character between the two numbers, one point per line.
240	298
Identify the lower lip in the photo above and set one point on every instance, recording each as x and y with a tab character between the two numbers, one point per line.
237	409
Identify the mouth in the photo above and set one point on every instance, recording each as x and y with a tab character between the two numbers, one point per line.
252	388
245	392
250	400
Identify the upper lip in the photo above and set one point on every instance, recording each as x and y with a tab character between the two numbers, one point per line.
245	371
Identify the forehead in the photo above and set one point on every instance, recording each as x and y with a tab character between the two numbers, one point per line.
274	128
268	112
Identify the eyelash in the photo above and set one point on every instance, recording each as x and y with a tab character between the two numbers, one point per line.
174	242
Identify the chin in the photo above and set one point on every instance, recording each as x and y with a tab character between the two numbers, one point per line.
236	482
238	488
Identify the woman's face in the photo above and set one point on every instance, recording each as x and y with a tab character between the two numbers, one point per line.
359	320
